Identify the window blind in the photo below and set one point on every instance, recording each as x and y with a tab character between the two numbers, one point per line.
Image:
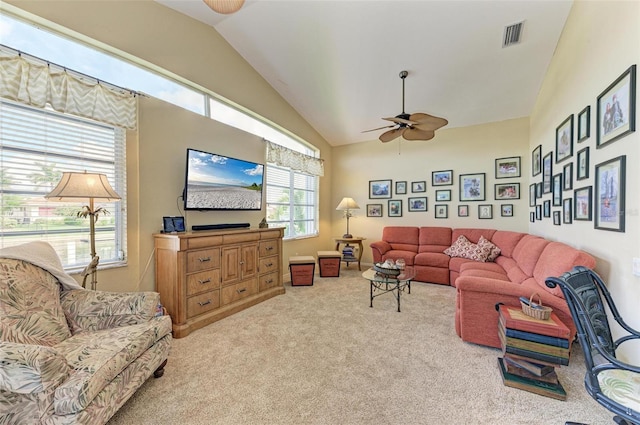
36	146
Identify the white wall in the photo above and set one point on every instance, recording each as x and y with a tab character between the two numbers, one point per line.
600	41
464	150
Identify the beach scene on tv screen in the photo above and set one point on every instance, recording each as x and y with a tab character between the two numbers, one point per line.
218	182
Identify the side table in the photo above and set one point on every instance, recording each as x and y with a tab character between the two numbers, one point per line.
347	242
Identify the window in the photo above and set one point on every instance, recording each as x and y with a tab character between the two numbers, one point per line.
36	146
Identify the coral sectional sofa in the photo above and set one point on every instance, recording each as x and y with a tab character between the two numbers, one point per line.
520	269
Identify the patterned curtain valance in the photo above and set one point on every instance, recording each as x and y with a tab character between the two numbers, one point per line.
286	157
37	84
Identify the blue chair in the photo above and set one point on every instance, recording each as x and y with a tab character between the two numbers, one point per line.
611	382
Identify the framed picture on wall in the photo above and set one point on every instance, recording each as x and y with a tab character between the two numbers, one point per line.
610	194
567	211
374	210
443	195
584	122
379	189
567	176
507	191
463	210
532	195
536	161
539	212
401	188
582	204
395	208
506	210
507	167
557	190
616	109
442	178
564	139
547	167
532	217
418	187
442	211
485	211
556	218
582	171
418	204
546	208
472	187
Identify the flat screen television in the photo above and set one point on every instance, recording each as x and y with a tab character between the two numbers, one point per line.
217	182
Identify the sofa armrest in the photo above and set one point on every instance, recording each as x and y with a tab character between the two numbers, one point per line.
379	248
96	310
31	369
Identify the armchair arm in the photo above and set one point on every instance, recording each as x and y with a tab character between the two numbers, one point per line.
29	369
379	248
95	310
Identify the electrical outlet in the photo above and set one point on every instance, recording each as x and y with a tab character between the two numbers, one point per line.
636	266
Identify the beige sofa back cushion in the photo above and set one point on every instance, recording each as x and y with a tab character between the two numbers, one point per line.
30	310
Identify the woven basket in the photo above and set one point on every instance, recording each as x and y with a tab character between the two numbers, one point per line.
541	312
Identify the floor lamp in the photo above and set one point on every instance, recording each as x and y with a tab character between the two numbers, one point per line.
347	204
83	187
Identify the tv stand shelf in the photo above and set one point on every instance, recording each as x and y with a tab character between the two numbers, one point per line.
205	276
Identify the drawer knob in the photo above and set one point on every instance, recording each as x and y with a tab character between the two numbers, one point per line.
202	304
270	281
204	260
269	248
269	264
202	282
240	291
241	262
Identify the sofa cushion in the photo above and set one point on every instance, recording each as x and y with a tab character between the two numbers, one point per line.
98	357
474	265
489	274
434	239
515	273
556	259
404	238
527	252
395	254
462	247
506	241
432	259
30	310
472	234
494	251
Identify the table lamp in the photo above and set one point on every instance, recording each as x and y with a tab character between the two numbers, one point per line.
346	205
83	187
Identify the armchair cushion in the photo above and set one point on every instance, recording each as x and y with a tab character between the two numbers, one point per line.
621	386
30	369
30	310
96	310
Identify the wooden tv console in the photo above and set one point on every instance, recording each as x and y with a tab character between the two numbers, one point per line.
206	276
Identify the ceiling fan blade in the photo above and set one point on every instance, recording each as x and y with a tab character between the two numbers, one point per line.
416	134
379	128
426	121
391	135
400	120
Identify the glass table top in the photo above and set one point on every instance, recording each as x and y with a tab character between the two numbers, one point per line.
407	274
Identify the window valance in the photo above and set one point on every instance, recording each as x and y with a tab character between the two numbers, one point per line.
297	161
36	84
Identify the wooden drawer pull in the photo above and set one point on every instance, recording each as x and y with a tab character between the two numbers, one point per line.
269	281
204	260
269	264
240	291
202	304
269	248
202	282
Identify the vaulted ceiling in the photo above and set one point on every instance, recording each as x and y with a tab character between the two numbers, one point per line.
337	62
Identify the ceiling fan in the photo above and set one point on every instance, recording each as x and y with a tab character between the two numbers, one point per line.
418	126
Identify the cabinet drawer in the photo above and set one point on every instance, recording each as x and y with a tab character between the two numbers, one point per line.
231	293
203	281
268	281
199	304
269	264
268	248
203	259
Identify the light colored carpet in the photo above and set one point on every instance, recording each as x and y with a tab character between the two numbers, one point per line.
320	355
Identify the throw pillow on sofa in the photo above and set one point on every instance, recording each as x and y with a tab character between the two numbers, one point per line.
464	248
494	250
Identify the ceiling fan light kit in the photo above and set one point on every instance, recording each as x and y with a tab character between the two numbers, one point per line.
225	7
418	126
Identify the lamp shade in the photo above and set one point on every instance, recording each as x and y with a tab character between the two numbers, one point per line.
225	7
77	186
347	204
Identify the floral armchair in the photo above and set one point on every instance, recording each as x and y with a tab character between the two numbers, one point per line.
70	355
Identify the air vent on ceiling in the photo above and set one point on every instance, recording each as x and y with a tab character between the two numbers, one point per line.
512	34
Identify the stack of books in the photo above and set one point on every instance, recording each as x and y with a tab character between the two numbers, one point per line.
532	348
347	253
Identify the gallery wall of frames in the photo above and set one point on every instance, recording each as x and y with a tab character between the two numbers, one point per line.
562	173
